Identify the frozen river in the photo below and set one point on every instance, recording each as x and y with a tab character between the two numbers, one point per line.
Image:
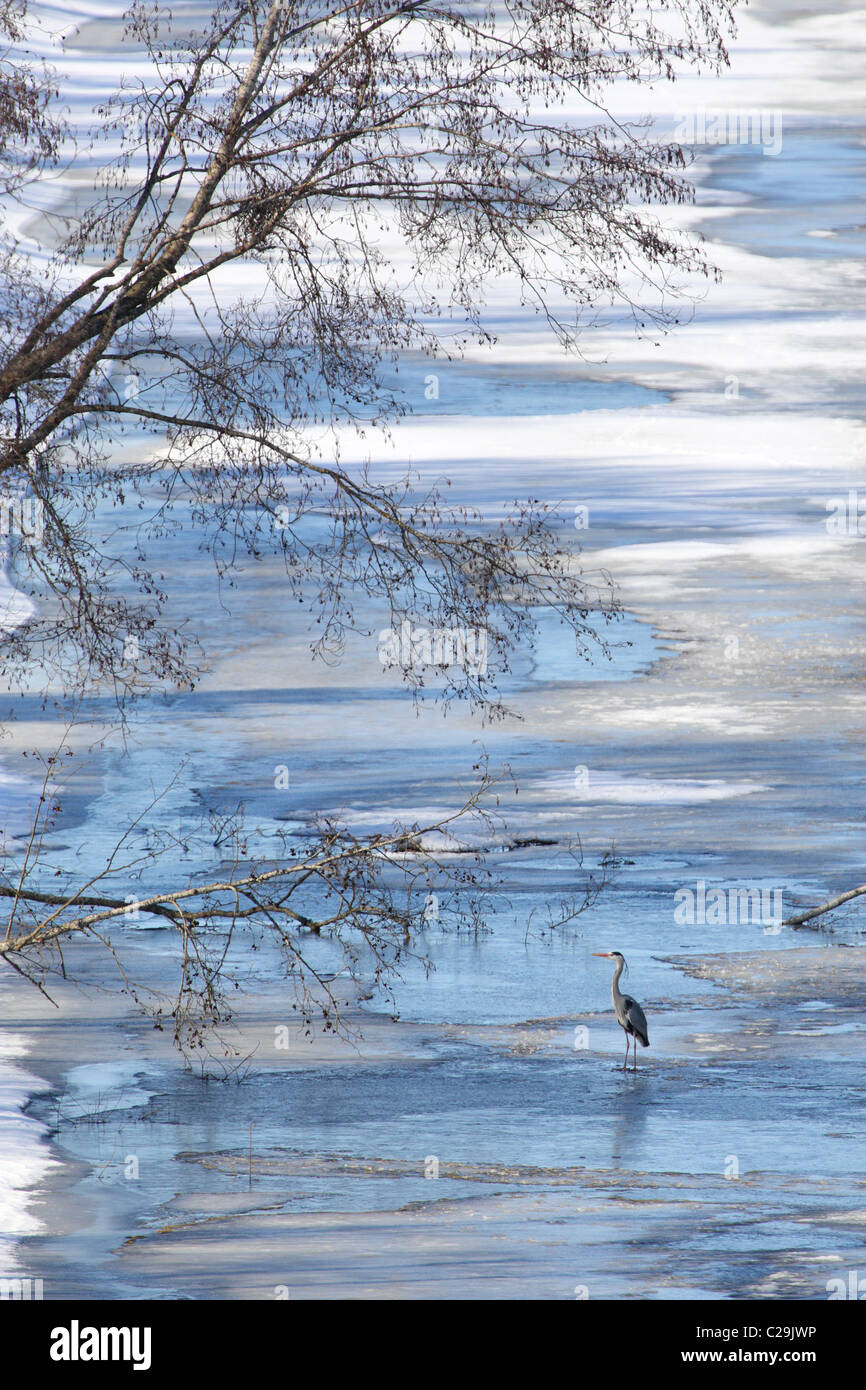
486	1144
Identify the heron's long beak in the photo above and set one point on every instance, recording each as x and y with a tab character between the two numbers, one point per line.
606	954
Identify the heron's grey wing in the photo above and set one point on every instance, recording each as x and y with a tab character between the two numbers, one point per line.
636	1019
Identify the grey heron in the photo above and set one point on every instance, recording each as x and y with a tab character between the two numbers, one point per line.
629	1014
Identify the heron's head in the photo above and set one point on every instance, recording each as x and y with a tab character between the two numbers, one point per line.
616	956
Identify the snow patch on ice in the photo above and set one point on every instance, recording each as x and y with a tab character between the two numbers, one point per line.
24	1160
626	790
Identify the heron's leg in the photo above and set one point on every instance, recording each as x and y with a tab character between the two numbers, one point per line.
634	1044
625	1063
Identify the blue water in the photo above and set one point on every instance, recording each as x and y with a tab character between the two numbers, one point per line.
435	387
828	162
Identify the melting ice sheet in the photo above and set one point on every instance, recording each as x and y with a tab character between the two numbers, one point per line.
485	1144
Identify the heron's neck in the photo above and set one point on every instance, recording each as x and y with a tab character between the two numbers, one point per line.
614	984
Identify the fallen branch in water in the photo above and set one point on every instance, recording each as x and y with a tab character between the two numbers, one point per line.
799	918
